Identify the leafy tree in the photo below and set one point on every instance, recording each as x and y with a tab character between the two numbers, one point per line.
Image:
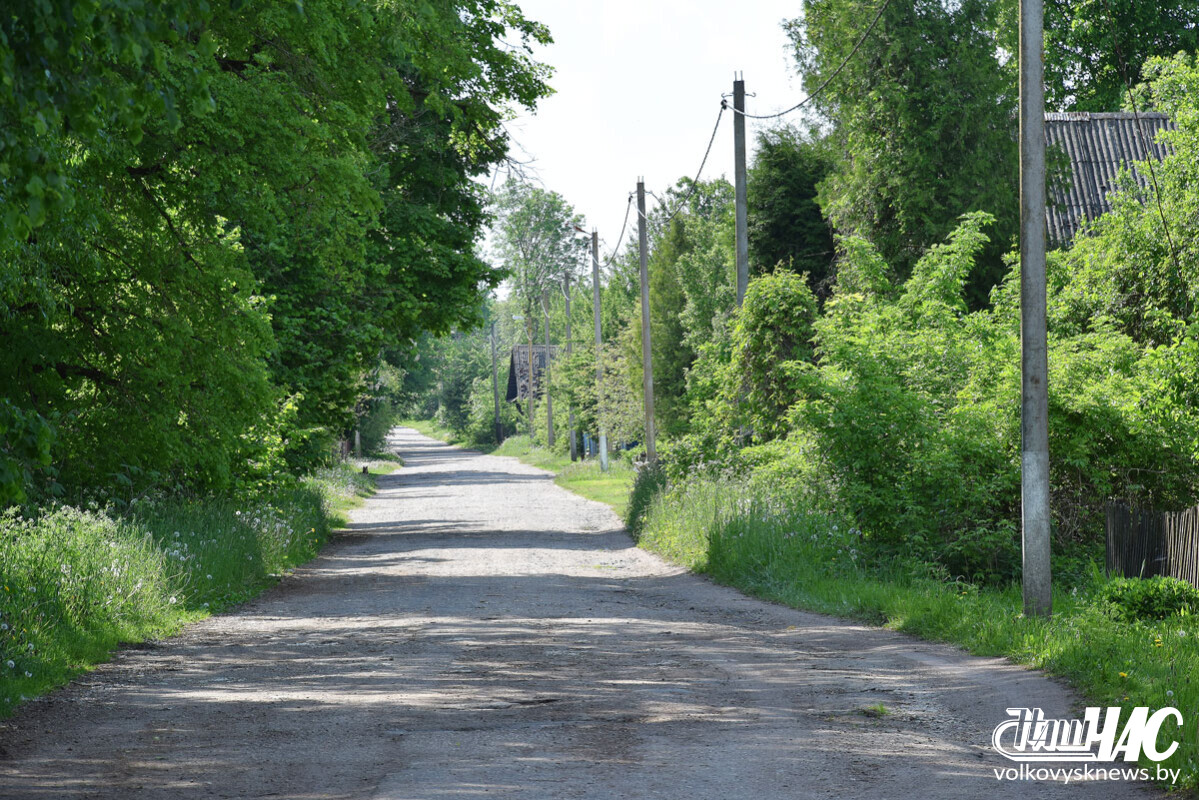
786	225
772	346
215	289
707	269
670	353
922	119
535	239
1095	48
66	68
692	288
1131	268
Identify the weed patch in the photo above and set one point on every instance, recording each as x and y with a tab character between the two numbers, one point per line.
77	582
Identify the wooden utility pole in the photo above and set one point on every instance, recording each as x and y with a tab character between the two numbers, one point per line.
739	181
495	389
549	401
599	352
570	416
647	364
1034	430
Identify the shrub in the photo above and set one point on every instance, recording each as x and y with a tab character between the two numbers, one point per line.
772	346
375	425
1128	599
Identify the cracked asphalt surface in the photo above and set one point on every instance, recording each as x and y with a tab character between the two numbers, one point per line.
479	631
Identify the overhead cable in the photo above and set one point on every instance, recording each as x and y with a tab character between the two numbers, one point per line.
827	80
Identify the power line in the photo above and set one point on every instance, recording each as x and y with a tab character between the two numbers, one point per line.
698	173
623	226
827	81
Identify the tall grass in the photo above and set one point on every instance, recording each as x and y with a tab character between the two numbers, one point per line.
767	547
76	582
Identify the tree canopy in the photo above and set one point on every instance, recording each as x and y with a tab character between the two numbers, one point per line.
216	231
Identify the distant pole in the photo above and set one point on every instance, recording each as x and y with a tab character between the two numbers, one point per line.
1038	599
495	389
570	416
739	178
549	401
647	365
599	352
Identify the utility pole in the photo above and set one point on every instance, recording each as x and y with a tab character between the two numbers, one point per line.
599	352
647	364
739	179
570	416
495	389
549	401
1034	418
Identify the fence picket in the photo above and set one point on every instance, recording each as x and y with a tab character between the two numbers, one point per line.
1147	543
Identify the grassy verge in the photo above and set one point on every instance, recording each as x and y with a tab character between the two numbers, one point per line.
581	477
77	582
814	561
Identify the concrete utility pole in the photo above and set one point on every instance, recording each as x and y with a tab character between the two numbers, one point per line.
647	364
495	389
570	417
1038	599
739	180
599	352
549	401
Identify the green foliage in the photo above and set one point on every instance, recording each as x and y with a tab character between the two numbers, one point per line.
912	415
537	243
374	426
786	225
923	121
670	353
66	66
251	202
76	582
480	429
1159	597
25	440
648	484
707	269
1095	48
692	292
772	349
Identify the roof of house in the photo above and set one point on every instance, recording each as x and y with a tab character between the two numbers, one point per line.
518	370
1098	145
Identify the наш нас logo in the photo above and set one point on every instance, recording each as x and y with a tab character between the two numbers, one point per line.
1098	737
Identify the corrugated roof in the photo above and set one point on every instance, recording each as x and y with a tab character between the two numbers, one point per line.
1098	146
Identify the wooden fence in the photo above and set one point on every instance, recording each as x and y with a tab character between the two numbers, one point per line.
1147	543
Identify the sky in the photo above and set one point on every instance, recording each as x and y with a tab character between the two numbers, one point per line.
638	86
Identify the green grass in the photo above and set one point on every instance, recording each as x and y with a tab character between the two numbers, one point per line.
817	562
583	477
77	582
